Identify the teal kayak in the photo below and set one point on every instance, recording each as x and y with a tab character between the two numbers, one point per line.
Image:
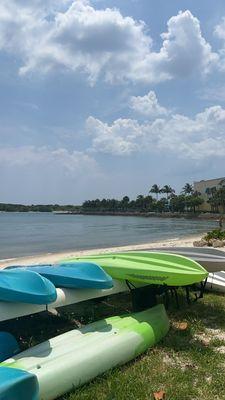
148	267
20	286
83	275
65	362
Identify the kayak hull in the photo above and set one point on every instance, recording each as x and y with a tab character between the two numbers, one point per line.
156	268
74	358
25	287
216	282
213	260
65	297
82	275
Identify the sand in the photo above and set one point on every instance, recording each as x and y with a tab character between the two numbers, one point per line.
56	257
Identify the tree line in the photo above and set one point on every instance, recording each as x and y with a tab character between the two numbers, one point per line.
37	207
216	197
187	201
159	199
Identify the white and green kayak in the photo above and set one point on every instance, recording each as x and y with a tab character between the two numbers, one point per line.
65	362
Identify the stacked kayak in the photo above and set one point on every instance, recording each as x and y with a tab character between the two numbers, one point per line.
216	281
26	287
28	290
156	268
65	362
65	297
81	275
213	260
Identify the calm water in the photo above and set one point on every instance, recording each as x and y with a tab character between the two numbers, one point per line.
24	234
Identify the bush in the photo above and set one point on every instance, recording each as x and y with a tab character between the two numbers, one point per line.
218	234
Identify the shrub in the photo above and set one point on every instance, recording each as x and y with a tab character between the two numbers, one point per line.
218	234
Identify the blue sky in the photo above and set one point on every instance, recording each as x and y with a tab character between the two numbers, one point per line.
105	98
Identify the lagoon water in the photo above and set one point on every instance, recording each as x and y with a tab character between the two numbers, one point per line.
23	234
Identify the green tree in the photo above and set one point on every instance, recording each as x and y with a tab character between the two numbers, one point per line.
220	196
125	202
177	203
149	203
161	205
168	190
140	202
193	201
187	189
156	190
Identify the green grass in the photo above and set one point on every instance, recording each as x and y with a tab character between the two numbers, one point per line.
187	364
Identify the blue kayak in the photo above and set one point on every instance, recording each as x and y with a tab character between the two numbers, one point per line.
77	275
22	286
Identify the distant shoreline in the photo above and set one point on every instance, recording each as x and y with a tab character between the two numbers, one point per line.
188	215
209	216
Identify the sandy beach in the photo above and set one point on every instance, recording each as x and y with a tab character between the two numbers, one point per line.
56	257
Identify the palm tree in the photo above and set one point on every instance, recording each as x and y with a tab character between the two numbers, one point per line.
187	189
168	190
140	201
125	202
213	200
221	197
155	189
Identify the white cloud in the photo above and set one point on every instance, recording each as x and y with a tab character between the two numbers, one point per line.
220	29
73	163
184	48
100	42
80	38
147	105
118	139
220	33
40	174
197	138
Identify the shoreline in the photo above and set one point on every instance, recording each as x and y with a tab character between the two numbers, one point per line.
56	257
186	215
145	214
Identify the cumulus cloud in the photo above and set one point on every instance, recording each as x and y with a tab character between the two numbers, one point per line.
147	105
184	48
80	38
101	43
118	139
195	138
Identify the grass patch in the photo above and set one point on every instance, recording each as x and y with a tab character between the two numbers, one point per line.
188	364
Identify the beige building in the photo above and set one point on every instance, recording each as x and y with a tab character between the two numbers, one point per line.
205	187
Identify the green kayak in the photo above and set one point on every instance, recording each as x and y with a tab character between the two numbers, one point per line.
60	364
148	267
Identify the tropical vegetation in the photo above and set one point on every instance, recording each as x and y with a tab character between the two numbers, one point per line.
163	200
216	197
217	234
37	208
158	200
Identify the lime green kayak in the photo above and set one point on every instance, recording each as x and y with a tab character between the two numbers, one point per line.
65	362
148	267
